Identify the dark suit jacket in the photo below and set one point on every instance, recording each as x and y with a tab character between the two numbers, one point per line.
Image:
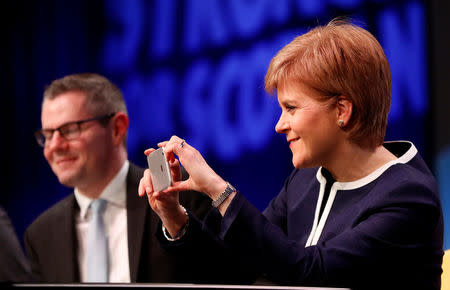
14	266
51	241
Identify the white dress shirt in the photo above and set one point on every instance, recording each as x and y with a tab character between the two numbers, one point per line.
115	219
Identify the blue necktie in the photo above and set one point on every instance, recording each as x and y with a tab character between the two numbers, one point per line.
97	245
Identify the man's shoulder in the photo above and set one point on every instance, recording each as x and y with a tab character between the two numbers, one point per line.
135	171
53	214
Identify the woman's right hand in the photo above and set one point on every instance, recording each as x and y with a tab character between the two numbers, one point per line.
202	177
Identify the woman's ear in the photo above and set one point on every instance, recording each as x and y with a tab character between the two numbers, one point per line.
120	127
344	111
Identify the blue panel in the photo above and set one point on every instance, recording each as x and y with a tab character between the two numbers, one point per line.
258	110
149	101
197	112
346	4
310	8
122	42
252	11
249	18
227	86
204	24
163	28
402	34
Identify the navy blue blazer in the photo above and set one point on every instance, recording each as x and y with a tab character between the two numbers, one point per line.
383	231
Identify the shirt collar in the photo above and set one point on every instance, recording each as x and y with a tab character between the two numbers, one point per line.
404	150
114	192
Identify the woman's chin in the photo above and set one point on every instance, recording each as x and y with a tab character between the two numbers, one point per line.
300	162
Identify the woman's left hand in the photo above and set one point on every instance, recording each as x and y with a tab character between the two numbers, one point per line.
165	204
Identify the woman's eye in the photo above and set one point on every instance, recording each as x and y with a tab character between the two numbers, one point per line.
290	108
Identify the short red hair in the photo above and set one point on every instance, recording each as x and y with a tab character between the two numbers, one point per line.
340	59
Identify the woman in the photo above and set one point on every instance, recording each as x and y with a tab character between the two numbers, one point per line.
356	212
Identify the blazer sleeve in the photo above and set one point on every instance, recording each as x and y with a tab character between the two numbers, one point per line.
15	267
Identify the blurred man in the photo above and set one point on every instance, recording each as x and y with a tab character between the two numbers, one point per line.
84	128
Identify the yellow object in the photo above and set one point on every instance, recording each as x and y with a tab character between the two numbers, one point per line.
445	277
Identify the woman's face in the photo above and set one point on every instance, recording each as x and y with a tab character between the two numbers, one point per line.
311	126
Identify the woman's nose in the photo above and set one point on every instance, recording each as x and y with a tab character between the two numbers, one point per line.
282	124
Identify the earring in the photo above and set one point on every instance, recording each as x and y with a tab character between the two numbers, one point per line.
341	123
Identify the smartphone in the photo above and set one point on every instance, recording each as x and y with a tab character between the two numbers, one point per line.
159	170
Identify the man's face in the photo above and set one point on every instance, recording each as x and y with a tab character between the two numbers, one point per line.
82	161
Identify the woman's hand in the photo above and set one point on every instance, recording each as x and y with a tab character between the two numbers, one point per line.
202	177
166	205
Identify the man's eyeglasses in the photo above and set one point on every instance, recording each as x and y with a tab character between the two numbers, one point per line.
68	131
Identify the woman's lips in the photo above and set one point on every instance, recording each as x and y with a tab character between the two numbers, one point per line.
292	141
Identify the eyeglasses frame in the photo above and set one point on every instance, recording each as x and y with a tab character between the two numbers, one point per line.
42	141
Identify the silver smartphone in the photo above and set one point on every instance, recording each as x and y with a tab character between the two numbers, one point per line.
159	170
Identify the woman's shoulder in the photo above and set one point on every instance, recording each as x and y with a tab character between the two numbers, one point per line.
409	167
408	179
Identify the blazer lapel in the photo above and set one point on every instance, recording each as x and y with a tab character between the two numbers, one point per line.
137	209
65	243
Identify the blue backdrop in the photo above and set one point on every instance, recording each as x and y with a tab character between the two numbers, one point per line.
196	69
